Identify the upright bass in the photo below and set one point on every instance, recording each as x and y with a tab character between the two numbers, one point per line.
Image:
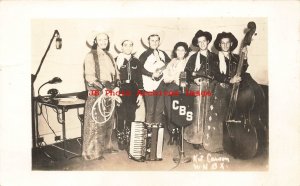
243	122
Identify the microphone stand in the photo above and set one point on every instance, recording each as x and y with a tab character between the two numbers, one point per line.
33	98
182	158
34	76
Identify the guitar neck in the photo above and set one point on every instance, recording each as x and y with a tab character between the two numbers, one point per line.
162	68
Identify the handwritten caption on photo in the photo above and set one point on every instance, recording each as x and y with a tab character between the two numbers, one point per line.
202	161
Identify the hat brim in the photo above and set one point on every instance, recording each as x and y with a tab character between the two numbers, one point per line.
118	45
226	35
207	35
145	37
92	35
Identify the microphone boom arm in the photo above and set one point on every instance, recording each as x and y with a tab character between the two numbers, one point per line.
33	76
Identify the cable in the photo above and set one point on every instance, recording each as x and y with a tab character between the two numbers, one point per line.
47	121
55	110
177	164
64	150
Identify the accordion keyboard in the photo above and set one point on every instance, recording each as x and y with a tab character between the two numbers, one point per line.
137	148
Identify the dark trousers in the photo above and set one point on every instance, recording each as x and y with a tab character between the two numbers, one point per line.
155	106
126	111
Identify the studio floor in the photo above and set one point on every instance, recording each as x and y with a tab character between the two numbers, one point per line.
202	160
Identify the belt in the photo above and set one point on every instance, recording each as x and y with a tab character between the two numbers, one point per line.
203	79
127	81
108	84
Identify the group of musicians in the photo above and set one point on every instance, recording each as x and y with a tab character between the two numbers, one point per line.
154	70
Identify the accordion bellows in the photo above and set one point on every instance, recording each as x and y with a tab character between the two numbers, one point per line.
146	142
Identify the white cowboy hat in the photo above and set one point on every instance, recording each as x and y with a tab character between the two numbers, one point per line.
93	34
128	37
145	37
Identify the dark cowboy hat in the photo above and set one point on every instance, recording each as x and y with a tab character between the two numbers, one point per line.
200	33
225	35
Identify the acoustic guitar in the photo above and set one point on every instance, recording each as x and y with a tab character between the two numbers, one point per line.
153	65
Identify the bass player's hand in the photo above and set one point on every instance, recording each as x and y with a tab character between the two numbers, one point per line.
235	79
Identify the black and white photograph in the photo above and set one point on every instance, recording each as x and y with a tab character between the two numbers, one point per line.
150	94
130	92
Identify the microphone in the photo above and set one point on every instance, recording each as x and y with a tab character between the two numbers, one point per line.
58	43
52	81
55	80
182	82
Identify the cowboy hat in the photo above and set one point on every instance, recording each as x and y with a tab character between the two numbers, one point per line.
226	35
93	34
120	41
200	33
145	37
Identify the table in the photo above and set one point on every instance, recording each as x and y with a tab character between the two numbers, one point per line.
62	102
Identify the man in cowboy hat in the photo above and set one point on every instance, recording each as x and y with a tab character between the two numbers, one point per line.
153	61
100	73
132	107
201	69
209	59
225	43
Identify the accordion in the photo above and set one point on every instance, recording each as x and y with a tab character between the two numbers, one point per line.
146	142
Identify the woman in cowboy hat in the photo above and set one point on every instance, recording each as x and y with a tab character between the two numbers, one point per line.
153	61
171	78
100	73
132	107
202	70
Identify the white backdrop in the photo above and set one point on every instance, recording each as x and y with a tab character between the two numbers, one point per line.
67	63
75	31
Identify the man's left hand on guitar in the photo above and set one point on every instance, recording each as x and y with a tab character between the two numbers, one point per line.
156	74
